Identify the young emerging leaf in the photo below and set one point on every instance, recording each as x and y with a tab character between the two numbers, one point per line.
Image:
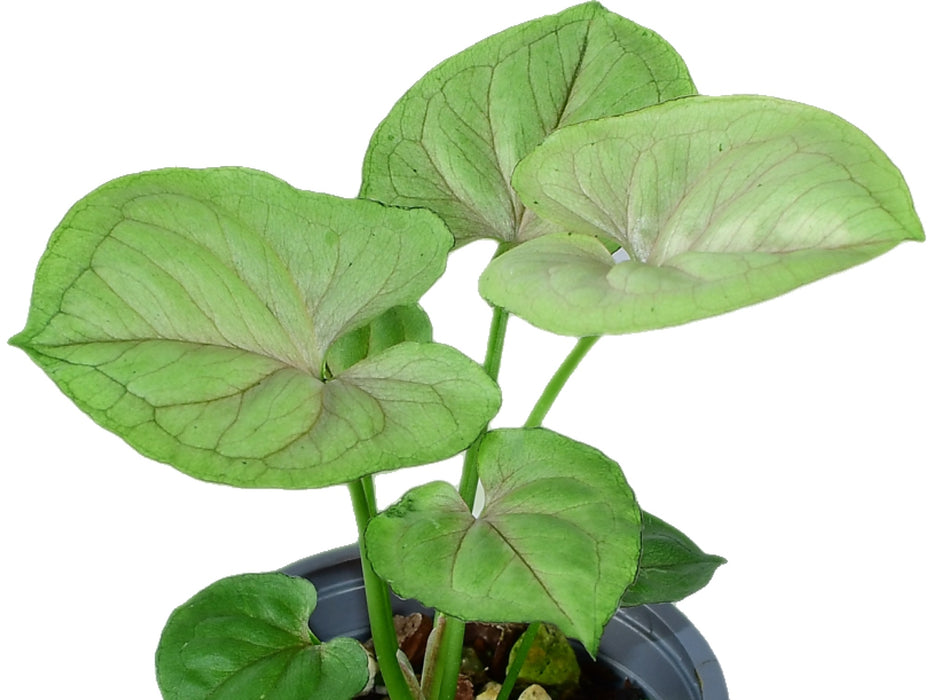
670	567
719	202
191	312
557	540
451	142
247	637
391	328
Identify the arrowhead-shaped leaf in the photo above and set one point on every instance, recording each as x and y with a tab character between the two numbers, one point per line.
719	202
247	637
191	313
671	566
557	540
451	142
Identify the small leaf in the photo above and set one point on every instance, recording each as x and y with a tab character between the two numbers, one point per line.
719	202
247	637
451	142
557	541
191	312
395	326
671	566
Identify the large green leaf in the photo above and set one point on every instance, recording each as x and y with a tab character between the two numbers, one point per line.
719	202
451	142
247	637
671	566
191	312
557	540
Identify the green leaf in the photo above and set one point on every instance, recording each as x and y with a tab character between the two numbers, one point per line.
451	142
247	637
391	328
671	566
191	311
719	202
557	540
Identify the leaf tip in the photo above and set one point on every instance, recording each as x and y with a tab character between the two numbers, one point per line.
20	340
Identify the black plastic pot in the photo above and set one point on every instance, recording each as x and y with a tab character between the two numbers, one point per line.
653	645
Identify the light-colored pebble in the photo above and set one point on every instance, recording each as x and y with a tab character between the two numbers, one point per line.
373	669
534	692
490	691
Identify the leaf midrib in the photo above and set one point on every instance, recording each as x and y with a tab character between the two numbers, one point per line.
297	342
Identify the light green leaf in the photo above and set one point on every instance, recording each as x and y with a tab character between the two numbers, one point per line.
191	311
557	540
247	637
719	202
671	566
451	142
391	328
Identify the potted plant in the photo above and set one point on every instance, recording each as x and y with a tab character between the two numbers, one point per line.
260	336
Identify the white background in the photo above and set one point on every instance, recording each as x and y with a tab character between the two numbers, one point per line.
791	437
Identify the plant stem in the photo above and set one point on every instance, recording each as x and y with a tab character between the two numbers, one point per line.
553	388
449	657
470	477
521	653
377	596
495	342
451	645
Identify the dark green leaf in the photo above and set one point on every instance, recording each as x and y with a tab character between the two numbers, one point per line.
671	566
247	637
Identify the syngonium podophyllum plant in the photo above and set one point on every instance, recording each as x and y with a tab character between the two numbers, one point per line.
253	334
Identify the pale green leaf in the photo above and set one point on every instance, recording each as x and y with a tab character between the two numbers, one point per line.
247	636
191	311
719	202
451	142
557	540
394	326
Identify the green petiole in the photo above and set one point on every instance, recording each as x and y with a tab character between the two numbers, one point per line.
377	596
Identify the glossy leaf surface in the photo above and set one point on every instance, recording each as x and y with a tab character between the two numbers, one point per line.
451	142
719	202
247	637
557	540
191	311
671	566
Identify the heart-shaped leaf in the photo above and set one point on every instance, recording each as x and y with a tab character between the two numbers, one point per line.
191	312
719	202
557	540
451	142
247	637
671	566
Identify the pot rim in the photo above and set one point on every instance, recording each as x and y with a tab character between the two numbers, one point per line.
665	631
